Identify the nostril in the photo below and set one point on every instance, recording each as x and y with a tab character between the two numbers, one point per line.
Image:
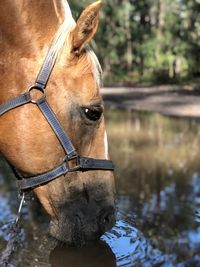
86	193
107	221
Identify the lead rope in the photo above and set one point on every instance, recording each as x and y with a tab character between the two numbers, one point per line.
14	232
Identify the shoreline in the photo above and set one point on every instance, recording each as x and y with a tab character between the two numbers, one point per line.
167	100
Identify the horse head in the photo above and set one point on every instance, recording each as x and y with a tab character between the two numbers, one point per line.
80	204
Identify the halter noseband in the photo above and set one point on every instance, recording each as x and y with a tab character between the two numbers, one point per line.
72	161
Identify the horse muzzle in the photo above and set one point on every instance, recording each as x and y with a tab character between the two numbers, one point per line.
78	228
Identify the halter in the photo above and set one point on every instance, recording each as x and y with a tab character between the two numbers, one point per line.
72	161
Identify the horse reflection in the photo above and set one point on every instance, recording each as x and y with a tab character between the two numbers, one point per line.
93	255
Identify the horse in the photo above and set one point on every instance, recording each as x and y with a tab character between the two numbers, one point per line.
81	204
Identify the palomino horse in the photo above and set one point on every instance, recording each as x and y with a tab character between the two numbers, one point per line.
81	203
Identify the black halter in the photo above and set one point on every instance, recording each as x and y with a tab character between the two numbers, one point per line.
72	161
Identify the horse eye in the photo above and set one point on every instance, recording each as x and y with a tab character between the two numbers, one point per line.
93	113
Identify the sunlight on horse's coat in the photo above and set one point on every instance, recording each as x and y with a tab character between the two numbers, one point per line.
106	144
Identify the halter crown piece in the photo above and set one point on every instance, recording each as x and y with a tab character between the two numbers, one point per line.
72	161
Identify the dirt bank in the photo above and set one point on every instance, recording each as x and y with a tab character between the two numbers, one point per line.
168	100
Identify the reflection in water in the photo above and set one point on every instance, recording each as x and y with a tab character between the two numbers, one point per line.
93	255
158	179
158	185
132	249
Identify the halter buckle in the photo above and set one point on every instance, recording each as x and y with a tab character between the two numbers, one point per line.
73	164
36	100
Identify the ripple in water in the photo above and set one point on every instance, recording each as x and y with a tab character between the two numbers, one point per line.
132	249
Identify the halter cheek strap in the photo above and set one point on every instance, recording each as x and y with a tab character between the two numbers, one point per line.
72	162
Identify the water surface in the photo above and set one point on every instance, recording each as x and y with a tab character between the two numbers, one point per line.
158	202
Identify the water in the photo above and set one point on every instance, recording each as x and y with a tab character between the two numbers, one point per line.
158	204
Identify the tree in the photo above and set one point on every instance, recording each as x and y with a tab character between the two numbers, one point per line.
147	40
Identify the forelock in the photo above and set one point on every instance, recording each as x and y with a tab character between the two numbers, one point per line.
96	67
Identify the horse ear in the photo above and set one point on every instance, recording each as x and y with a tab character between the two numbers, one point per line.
86	27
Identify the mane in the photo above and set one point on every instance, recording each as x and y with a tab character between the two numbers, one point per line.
96	67
68	25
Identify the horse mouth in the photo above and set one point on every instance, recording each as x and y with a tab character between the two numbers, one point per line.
78	236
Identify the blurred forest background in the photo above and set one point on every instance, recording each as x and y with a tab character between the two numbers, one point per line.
147	41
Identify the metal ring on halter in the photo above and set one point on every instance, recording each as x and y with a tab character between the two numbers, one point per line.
36	101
